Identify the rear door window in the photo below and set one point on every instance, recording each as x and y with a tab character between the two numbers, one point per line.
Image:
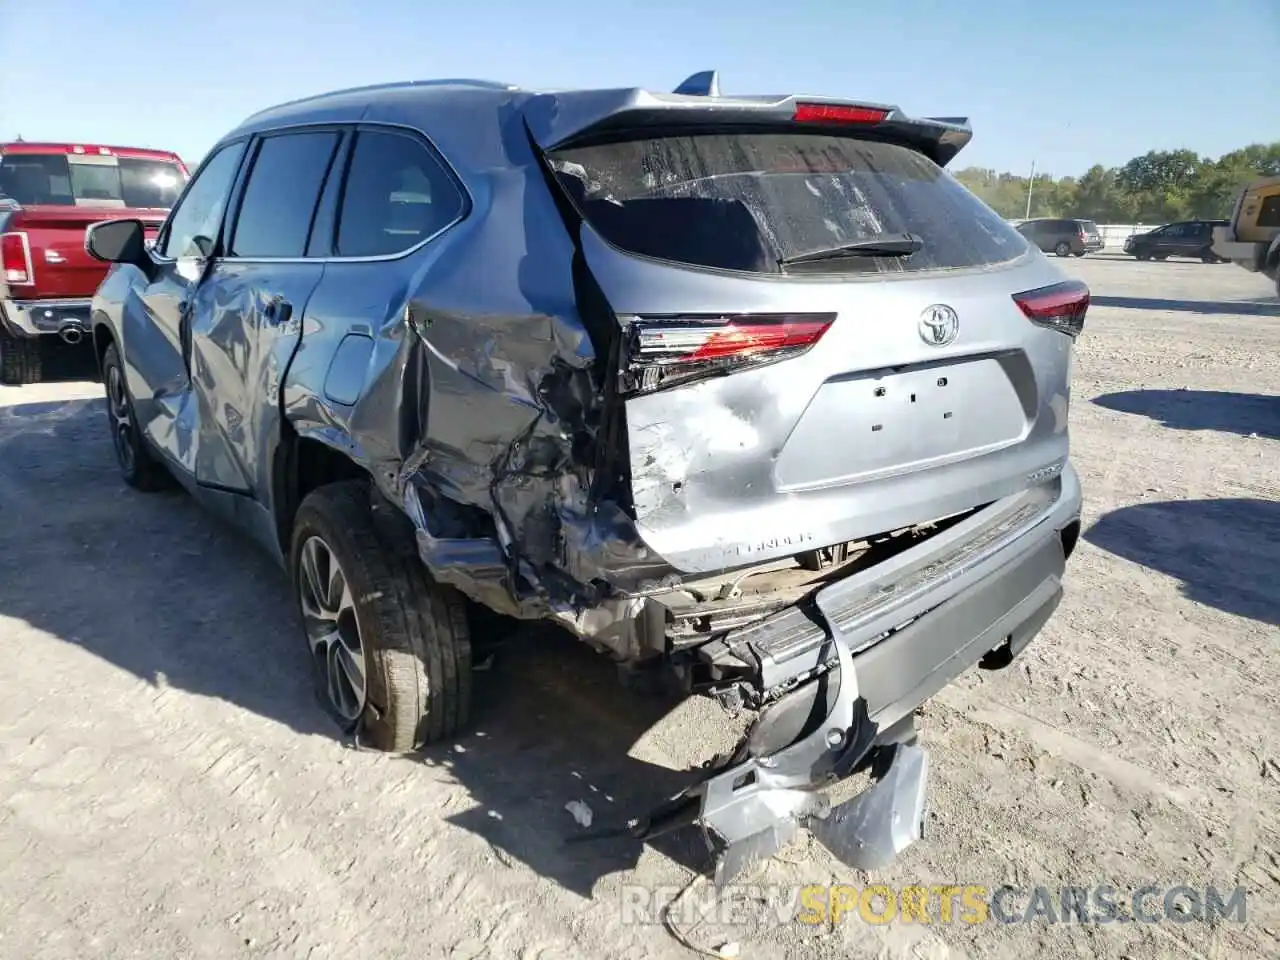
743	201
280	198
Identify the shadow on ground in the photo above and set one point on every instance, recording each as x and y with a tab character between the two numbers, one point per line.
1250	308
1243	413
1225	552
156	586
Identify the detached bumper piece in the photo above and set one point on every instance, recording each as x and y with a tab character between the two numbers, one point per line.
888	639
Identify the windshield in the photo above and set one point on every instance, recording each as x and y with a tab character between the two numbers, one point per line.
744	201
89	181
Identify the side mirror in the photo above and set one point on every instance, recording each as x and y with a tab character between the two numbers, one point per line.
119	241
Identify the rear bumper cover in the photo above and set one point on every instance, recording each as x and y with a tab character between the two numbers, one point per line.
34	318
898	633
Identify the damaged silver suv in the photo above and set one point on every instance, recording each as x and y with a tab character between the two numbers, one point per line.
746	386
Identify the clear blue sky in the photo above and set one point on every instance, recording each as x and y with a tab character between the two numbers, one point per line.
1064	84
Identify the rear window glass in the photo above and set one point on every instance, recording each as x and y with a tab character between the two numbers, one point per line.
742	201
1089	226
67	181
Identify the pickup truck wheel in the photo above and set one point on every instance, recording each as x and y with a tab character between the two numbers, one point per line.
138	468
1063	249
1143	256
19	360
390	647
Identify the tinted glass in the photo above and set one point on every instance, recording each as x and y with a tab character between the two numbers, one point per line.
1090	227
397	194
280	198
1269	215
193	226
71	180
741	201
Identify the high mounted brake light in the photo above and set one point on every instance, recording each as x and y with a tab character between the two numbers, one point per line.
837	113
1060	306
15	259
667	351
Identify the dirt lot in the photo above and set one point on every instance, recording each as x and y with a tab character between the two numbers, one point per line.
168	787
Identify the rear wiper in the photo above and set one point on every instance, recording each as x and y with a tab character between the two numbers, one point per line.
881	245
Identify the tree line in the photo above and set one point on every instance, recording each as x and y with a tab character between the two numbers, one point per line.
1157	187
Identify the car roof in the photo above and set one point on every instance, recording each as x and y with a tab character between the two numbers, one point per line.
470	120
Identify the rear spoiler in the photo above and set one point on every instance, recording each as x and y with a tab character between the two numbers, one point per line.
579	117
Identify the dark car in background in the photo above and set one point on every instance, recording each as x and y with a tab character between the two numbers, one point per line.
1186	238
1063	236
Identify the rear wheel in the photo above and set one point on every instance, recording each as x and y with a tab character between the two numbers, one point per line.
1143	255
19	359
138	467
390	647
1063	249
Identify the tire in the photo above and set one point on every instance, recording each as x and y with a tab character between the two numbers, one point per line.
411	635
1208	256
138	466
1079	253
19	360
1063	249
1143	255
1161	256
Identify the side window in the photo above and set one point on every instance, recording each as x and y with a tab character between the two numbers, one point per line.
193	227
397	194
1269	215
280	197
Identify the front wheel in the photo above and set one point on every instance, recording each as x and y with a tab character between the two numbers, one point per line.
19	359
1063	249
390	647
138	468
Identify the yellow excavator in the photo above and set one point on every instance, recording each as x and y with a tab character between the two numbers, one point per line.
1251	238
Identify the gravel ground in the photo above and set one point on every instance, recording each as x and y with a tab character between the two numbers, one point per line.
168	787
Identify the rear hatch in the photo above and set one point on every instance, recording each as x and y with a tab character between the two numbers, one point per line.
824	336
56	196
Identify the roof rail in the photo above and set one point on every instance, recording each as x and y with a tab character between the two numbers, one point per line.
391	85
703	84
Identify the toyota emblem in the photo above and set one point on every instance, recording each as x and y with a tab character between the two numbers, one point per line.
939	325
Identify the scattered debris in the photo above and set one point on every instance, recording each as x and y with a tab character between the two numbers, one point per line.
459	748
485	664
581	812
495	814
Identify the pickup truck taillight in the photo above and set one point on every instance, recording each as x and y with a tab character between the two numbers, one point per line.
15	259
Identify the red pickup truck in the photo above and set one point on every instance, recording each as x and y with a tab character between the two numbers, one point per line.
49	194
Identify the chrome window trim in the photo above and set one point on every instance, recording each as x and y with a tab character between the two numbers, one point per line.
354	126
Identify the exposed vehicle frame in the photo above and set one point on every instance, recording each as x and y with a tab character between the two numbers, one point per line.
523	410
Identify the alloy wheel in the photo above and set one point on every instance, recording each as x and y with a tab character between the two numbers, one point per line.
333	631
121	414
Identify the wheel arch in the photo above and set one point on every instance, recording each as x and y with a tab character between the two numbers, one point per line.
103	337
306	457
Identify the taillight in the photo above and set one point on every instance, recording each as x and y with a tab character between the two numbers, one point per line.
15	259
666	351
1060	306
837	113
